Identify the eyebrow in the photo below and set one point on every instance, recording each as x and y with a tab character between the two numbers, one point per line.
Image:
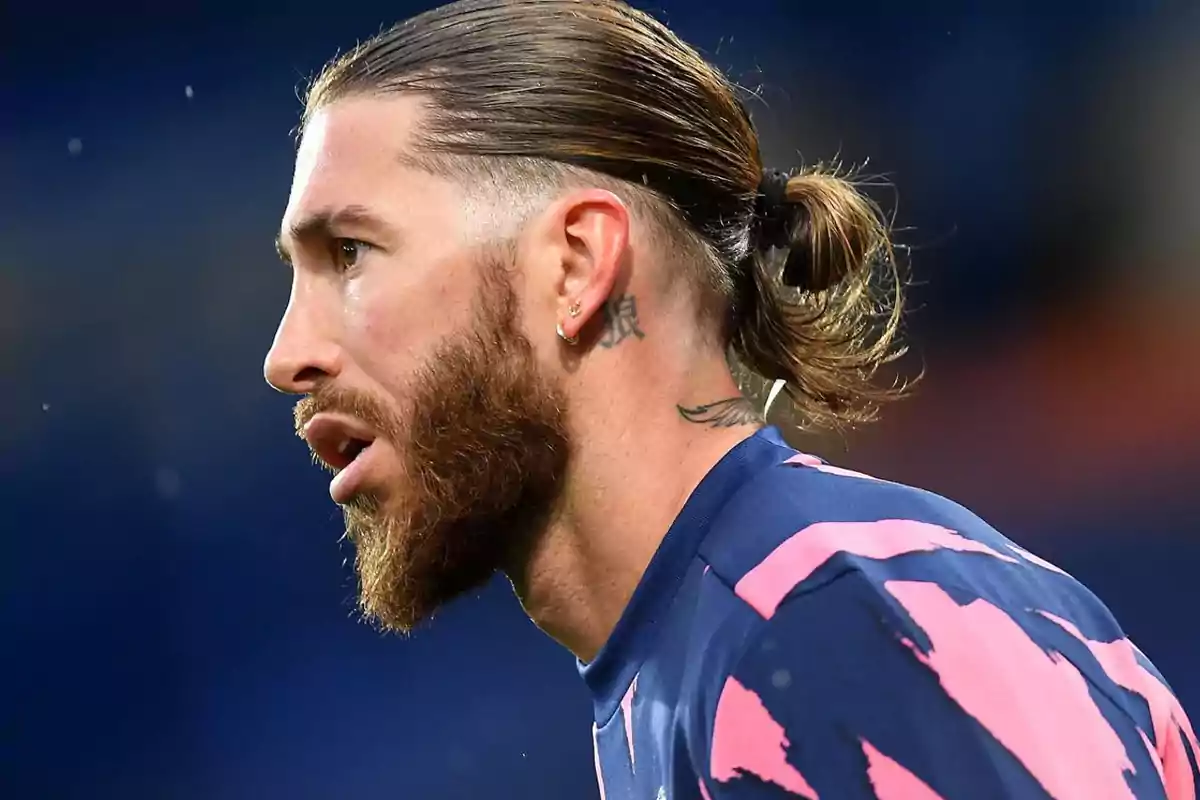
330	224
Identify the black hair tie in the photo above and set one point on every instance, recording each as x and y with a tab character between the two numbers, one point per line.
774	215
777	220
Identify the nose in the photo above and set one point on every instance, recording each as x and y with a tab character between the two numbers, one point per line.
303	353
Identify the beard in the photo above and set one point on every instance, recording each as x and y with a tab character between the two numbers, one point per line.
484	452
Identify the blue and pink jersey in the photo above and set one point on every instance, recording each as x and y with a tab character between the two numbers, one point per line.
808	632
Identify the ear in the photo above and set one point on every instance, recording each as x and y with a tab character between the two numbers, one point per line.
591	230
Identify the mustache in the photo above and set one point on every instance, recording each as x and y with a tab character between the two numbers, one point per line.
330	399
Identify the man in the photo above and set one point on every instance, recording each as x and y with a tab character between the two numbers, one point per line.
528	237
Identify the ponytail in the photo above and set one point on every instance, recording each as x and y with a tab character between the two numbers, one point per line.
818	301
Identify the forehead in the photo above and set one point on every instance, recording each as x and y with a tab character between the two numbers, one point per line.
350	153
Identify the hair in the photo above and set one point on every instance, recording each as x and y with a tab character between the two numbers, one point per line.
802	279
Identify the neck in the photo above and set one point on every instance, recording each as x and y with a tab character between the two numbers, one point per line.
637	459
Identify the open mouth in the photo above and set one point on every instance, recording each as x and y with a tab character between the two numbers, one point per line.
352	449
337	441
347	452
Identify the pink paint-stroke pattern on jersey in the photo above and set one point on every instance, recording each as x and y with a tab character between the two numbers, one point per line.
596	750
746	739
627	716
1035	704
805	460
704	795
765	586
1032	559
1154	756
1171	725
891	780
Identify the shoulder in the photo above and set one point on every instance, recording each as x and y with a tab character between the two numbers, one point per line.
855	628
893	549
906	687
803	522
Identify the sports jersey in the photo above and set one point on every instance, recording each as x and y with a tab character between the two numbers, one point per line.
808	632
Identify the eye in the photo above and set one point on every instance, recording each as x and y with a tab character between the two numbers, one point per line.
347	253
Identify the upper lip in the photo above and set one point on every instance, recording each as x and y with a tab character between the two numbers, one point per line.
337	439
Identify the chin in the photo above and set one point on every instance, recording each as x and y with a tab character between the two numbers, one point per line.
406	574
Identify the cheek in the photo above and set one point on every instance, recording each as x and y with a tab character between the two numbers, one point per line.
393	325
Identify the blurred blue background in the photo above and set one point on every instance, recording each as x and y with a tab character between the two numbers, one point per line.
177	613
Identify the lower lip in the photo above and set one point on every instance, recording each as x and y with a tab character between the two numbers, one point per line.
347	483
